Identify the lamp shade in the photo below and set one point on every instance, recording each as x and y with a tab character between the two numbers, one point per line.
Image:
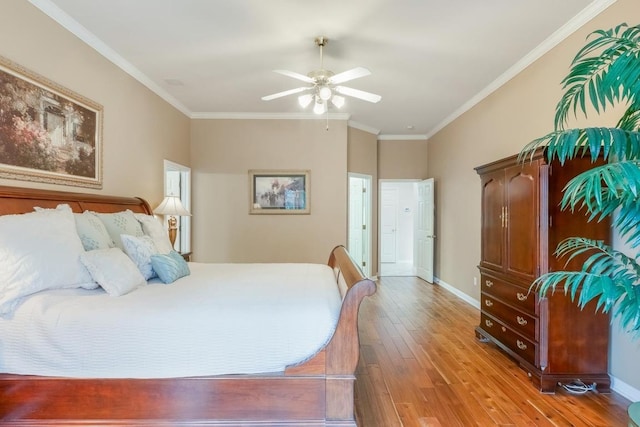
171	205
319	107
305	100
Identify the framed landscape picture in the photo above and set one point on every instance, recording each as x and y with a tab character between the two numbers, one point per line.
279	192
47	133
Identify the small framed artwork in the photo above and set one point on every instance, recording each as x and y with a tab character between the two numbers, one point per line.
48	133
279	192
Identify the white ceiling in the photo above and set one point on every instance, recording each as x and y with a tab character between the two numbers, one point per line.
430	59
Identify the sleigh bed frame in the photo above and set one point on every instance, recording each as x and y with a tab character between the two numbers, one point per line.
317	392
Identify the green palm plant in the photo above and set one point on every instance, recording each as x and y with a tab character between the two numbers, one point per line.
604	73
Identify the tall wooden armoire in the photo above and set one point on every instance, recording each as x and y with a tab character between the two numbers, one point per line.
551	338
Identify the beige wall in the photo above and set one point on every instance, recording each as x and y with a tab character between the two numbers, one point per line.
140	129
222	153
497	127
402	159
362	157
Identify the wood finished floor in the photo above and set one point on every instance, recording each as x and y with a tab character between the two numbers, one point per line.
421	365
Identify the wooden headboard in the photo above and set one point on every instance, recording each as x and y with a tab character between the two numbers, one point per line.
15	200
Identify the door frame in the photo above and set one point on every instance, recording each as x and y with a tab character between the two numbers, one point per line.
367	208
380	183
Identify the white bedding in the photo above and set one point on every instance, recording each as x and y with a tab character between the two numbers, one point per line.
222	319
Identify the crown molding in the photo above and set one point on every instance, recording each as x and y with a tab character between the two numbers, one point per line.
585	15
269	116
402	137
363	127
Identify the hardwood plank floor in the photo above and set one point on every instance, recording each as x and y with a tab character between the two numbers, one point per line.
421	365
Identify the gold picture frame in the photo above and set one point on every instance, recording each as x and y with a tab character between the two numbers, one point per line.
48	133
279	192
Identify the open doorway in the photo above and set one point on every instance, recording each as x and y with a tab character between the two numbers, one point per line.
177	182
398	203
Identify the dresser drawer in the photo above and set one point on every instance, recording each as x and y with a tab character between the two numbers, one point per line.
521	322
515	342
511	294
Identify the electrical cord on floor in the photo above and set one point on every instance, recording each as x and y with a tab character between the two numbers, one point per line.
578	387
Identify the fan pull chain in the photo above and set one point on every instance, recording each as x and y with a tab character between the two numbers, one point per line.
327	125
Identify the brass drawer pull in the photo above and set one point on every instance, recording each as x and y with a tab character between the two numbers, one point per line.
489	283
521	320
489	323
521	345
488	302
521	296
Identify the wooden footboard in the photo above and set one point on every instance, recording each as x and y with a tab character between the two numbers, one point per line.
318	392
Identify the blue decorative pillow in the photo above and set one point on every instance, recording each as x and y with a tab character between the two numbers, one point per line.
140	250
170	267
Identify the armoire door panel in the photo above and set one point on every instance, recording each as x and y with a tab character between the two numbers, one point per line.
492	221
521	225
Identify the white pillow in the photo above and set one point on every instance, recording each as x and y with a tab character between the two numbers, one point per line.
60	207
113	270
140	250
38	251
91	230
120	223
154	229
93	234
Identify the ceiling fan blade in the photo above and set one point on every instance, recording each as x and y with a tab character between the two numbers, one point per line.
351	74
284	93
360	94
295	75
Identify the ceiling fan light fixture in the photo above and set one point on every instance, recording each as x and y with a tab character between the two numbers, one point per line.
337	101
320	107
325	92
305	100
324	86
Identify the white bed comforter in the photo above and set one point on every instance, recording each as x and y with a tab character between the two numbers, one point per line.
222	319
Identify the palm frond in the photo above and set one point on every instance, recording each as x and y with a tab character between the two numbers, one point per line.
630	120
604	72
603	190
608	276
611	143
597	187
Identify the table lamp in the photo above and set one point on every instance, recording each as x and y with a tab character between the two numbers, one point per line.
172	206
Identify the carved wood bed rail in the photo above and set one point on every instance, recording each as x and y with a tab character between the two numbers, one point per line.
318	392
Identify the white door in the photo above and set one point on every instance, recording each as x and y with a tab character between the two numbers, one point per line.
425	233
388	224
356	222
359	221
172	183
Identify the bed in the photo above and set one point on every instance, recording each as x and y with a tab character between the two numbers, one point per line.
315	391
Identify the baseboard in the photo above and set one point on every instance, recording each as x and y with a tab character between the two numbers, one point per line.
624	389
617	385
457	292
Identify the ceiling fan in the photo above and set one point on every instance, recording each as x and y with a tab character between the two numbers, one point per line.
324	86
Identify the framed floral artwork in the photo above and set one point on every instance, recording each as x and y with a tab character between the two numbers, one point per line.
48	133
279	192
